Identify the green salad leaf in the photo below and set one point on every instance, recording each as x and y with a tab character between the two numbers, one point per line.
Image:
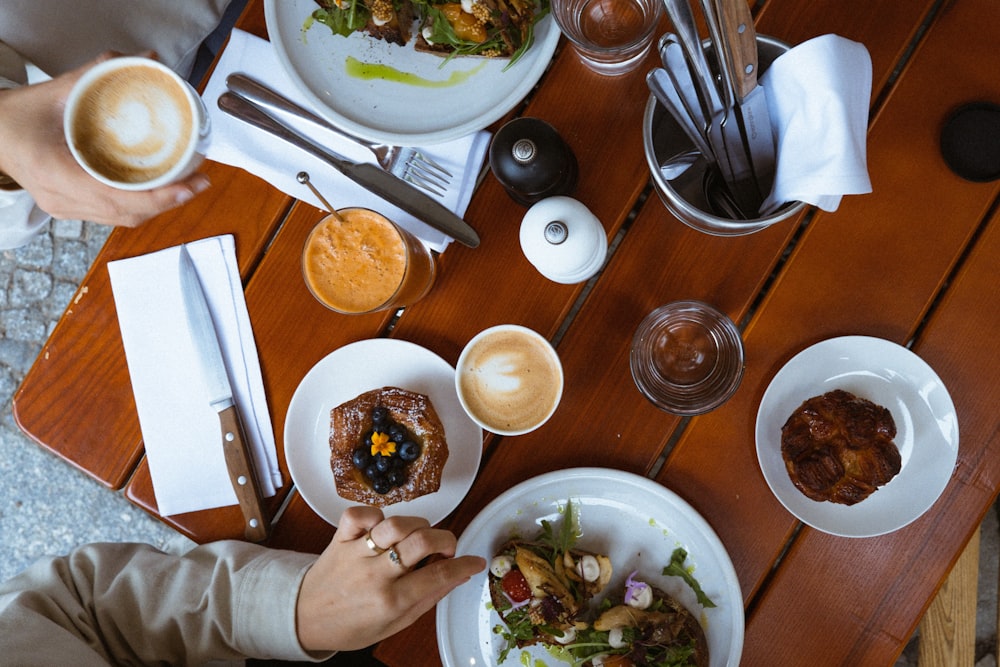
353	17
676	569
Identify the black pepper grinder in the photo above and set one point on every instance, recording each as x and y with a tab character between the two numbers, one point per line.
532	161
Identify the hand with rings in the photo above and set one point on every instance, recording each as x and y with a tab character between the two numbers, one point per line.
366	586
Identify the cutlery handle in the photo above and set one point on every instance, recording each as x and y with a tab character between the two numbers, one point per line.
383	184
666	94
682	16
740	39
247	111
255	91
242	474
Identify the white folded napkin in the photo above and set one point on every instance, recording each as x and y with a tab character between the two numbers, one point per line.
818	95
236	143
181	431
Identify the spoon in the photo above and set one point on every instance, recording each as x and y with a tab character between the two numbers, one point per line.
303	177
675	165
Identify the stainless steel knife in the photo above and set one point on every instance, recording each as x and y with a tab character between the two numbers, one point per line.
387	186
740	40
239	459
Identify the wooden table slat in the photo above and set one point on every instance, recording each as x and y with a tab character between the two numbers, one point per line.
85	350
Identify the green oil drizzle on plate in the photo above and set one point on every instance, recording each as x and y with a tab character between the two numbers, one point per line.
363	70
526	660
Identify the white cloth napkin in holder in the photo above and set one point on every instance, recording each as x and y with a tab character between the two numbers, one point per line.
180	429
236	143
818	95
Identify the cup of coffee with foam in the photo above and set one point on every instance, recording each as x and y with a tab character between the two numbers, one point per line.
134	124
509	379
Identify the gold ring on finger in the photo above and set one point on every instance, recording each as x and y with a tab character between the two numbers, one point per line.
371	544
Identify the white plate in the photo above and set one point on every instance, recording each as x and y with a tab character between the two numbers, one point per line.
391	111
353	370
889	375
633	520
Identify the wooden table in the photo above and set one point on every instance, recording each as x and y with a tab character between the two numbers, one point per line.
913	263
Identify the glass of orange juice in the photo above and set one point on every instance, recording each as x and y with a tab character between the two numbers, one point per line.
359	261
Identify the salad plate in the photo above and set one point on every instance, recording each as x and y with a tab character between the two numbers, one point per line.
886	374
419	99
352	370
636	522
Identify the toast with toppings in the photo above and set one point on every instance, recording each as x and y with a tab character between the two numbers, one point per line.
486	28
388	20
490	28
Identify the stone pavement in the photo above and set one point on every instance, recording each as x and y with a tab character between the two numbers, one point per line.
48	507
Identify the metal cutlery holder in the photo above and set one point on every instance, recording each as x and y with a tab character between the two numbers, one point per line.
687	195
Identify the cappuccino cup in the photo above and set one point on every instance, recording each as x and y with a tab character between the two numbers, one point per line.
134	124
509	379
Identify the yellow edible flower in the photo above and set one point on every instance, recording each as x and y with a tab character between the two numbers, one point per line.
381	444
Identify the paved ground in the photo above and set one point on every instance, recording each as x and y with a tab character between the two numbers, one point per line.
48	507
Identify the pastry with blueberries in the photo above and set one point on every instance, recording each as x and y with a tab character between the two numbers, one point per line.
387	446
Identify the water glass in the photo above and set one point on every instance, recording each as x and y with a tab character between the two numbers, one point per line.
687	357
610	36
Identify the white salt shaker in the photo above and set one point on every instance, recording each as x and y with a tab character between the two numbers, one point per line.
563	240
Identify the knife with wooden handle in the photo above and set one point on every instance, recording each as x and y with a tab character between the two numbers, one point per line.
239	458
243	475
739	47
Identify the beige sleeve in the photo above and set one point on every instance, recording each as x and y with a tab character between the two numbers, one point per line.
128	603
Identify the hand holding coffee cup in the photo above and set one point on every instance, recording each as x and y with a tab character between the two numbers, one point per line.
134	124
509	379
36	156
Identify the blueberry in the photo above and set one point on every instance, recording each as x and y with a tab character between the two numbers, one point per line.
362	457
371	472
398	463
380	414
383	463
409	451
397	433
396	477
382	485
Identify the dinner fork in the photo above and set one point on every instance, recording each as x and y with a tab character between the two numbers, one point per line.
407	163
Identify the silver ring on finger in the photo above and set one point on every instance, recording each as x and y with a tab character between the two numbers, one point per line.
394	557
376	549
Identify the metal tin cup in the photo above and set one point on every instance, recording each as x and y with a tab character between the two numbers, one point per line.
610	36
687	358
693	195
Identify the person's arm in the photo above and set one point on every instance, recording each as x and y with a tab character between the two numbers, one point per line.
115	603
33	153
230	600
20	219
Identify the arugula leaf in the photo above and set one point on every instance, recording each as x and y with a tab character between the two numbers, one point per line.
677	569
353	17
562	539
